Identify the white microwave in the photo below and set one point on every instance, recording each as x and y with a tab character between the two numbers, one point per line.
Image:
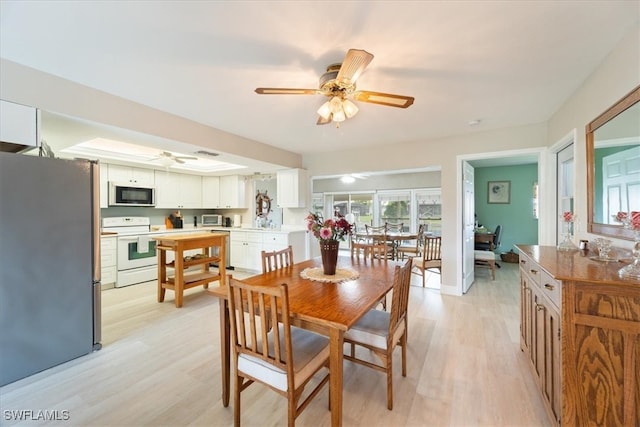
126	194
212	220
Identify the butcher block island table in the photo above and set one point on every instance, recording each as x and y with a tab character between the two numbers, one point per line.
181	279
580	331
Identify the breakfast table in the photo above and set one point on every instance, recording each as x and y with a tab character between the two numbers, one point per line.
326	307
393	237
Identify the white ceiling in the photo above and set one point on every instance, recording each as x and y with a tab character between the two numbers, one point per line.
506	63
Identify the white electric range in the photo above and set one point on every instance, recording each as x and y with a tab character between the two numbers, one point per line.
137	260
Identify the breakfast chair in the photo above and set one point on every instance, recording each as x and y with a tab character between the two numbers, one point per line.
276	260
284	358
431	258
413	247
381	331
377	238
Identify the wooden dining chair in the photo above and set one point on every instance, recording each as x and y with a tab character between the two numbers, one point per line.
430	259
284	358
379	244
381	331
411	247
276	260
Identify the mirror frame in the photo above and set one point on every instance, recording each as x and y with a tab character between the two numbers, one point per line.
616	231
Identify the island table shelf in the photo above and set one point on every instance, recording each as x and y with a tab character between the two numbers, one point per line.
181	279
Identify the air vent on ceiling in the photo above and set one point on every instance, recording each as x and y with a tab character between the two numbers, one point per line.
207	153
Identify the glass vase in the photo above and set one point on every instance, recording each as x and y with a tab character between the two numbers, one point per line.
632	271
567	238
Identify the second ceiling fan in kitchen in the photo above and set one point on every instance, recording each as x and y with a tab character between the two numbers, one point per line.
167	158
338	83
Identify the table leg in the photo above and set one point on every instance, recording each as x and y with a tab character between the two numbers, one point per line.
336	344
225	359
162	273
178	285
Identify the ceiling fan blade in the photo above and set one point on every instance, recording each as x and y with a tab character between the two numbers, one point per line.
353	65
178	160
323	121
387	99
185	157
286	91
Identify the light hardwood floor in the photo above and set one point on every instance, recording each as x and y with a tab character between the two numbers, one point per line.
160	366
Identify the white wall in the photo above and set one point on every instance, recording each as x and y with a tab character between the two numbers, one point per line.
616	76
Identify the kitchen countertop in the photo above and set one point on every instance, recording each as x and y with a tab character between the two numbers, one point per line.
163	230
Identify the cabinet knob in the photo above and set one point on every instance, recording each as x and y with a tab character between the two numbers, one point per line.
548	286
533	271
539	307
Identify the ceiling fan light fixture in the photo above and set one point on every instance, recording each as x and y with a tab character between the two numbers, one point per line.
350	109
339	116
325	111
348	179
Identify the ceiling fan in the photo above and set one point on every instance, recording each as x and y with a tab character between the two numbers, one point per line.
166	156
339	84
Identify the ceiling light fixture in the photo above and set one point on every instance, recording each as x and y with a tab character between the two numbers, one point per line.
338	109
348	179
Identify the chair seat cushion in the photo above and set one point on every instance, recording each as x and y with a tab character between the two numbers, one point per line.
310	351
484	255
373	329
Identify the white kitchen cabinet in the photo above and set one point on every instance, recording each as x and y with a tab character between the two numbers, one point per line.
246	246
19	124
293	188
131	175
232	192
210	192
178	190
108	260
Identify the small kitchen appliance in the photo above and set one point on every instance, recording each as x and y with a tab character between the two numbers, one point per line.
212	220
124	194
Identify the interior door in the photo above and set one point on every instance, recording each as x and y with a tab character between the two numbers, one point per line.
468	226
565	189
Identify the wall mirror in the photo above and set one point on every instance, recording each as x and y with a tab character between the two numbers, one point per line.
613	166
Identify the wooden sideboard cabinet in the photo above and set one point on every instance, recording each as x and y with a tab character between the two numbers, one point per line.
580	330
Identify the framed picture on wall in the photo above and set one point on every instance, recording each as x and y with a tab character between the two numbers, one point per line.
499	192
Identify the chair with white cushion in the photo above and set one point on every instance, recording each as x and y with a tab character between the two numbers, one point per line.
381	331
486	259
284	358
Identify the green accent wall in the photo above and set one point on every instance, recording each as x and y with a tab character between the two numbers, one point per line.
518	223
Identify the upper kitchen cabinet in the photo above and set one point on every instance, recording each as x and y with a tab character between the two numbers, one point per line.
178	190
210	192
19	127
293	188
131	175
232	192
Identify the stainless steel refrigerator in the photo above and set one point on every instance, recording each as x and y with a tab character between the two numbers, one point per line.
49	263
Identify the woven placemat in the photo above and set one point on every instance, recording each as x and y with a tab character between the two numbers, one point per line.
318	275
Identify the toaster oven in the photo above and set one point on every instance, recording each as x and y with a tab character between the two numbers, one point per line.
212	220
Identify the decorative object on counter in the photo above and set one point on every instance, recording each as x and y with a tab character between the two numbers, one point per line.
318	275
329	233
604	248
631	221
568	220
583	245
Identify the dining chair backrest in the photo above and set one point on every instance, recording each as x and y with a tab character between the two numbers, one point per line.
394	228
497	236
431	249
276	260
400	297
249	333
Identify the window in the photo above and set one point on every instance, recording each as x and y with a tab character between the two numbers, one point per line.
430	210
395	208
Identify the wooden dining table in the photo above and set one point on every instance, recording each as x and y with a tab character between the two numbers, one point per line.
326	308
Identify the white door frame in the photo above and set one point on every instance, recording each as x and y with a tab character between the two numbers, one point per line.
544	193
